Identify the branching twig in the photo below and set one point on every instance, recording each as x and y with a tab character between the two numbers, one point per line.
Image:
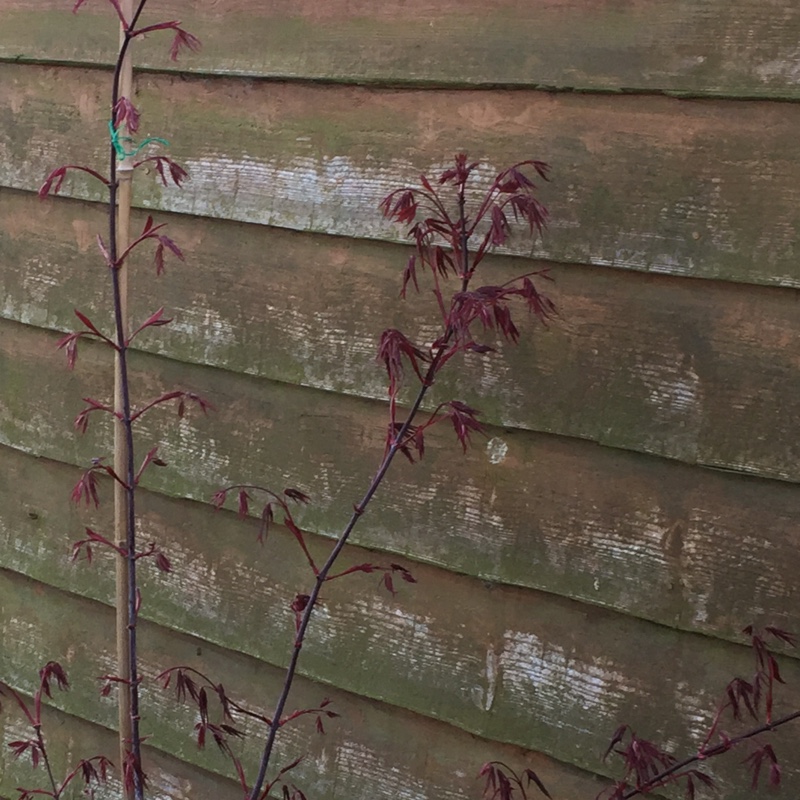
488	308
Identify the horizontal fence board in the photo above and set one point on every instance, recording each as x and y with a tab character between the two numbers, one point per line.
70	738
371	751
702	372
547	676
687	547
738	47
697	188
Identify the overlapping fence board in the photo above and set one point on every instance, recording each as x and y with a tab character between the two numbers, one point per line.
684	546
703	372
720	388
371	751
70	738
535	672
733	47
690	188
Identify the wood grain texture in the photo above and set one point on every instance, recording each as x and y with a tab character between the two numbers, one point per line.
733	47
697	188
372	751
701	372
70	738
512	667
692	548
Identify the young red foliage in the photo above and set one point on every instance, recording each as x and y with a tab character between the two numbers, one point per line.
155	320
386	578
163	164
54	181
648	766
503	783
82	420
757	759
126	113
85	545
92	771
393	349
181	396
149	232
275	501
86	489
150	458
442	242
123	115
115	5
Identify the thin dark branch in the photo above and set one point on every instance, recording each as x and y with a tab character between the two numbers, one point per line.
358	511
704	755
46	758
122	351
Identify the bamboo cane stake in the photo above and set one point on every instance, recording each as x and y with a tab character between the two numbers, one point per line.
124	177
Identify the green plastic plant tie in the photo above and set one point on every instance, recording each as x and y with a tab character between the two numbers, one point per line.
119	142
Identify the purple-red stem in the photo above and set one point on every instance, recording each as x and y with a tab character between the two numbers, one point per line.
122	350
43	750
717	750
358	511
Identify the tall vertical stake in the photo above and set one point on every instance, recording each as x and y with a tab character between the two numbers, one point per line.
124	176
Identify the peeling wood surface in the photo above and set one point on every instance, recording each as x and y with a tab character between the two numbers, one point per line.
70	738
528	678
697	371
687	547
732	47
549	651
372	751
696	188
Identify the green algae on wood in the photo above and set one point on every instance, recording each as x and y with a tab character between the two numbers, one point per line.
372	750
703	372
70	738
597	524
545	665
712	47
649	184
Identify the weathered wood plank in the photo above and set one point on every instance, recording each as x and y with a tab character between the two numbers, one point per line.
543	675
372	751
656	184
735	47
702	372
70	738
691	548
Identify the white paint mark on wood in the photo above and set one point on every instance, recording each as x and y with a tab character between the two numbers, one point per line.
198	452
323	632
197	582
316	341
497	450
407	627
785	69
697	709
675	393
361	764
492	675
700	600
316	194
335	195
37	283
204	324
474	511
673	390
563	685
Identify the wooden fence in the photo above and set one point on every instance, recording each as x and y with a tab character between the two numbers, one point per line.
636	502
